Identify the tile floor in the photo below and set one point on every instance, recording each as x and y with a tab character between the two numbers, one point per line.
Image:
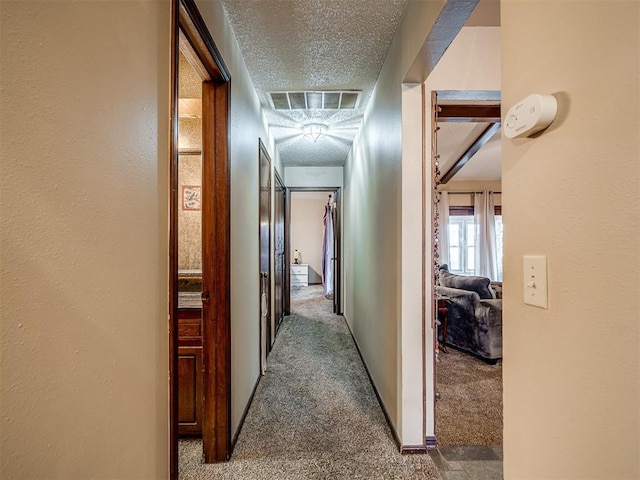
468	463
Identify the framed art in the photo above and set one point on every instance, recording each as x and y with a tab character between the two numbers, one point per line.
191	197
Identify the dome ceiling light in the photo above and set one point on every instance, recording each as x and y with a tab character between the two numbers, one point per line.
314	131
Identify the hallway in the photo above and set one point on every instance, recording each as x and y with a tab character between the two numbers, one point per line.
315	414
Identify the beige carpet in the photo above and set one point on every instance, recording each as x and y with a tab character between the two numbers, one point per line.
469	411
315	415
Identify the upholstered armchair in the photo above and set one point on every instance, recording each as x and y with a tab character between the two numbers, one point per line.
475	314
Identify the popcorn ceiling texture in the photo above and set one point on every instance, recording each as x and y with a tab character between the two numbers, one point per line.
314	45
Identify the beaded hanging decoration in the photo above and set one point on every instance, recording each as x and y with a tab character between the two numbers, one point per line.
436	218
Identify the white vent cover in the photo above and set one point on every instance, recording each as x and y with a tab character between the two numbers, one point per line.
315	100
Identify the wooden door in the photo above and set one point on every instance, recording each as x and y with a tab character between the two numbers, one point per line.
265	253
279	253
336	253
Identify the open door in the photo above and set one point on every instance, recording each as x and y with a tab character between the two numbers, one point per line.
202	377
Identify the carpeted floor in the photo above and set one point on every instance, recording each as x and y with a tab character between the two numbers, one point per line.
315	415
469	411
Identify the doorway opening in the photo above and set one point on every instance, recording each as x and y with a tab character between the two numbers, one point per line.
199	255
313	242
467	257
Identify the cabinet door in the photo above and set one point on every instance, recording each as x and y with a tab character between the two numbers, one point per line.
190	384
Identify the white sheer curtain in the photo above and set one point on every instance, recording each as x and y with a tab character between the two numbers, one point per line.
486	264
327	251
443	211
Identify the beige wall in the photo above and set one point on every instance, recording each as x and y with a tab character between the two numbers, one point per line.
307	209
466	199
571	372
247	125
373	234
84	192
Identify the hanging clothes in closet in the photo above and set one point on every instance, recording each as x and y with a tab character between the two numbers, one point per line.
327	250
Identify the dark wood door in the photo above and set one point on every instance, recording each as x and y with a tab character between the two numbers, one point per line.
279	253
190	390
336	253
265	253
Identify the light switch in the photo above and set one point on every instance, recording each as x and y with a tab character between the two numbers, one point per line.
535	280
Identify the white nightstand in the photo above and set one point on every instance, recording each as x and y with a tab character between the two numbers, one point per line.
300	275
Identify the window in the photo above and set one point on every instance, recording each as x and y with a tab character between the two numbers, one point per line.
462	231
461	245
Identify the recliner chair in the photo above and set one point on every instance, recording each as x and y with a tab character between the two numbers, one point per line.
475	315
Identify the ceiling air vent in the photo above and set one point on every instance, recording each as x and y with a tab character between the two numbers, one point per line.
280	101
331	100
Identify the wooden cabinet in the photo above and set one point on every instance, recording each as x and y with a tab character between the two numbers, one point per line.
300	275
190	372
190	391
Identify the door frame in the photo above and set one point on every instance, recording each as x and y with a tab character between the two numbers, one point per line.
461	106
279	189
337	294
264	278
186	19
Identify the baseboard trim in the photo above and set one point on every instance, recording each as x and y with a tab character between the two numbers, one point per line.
244	415
403	449
413	449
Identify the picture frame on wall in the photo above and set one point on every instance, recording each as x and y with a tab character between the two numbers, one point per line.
191	197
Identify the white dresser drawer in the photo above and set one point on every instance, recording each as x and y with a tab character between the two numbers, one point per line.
300	275
300	269
297	279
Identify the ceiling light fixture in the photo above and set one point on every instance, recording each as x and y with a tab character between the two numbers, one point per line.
314	131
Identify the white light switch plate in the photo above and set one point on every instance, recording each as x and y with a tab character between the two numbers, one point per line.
535	280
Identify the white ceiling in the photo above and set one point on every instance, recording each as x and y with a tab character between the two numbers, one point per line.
314	45
455	138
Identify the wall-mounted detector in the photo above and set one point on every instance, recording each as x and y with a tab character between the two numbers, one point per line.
534	113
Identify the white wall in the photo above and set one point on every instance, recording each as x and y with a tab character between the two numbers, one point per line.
84	119
247	125
374	233
414	331
307	209
572	371
313	176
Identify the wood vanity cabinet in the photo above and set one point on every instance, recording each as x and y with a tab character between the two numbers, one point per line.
190	372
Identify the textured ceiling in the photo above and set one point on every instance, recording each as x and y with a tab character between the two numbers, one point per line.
297	45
